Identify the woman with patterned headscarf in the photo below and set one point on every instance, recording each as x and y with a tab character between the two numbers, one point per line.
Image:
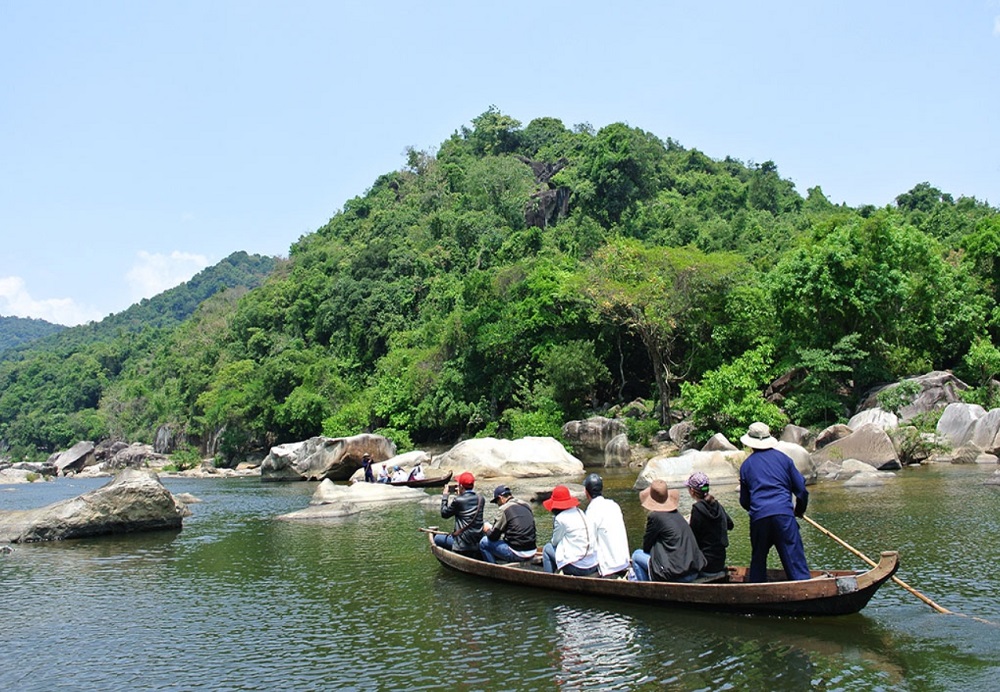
710	524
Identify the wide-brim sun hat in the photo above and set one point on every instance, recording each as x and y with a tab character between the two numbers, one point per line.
659	498
561	499
758	436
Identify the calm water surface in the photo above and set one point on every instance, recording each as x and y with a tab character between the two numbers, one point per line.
240	601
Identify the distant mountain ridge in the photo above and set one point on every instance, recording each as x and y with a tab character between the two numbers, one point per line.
167	309
15	331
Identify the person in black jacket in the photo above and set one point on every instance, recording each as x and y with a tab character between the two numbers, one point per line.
669	550
512	537
710	524
467	508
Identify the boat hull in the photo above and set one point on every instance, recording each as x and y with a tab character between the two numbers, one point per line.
827	593
435	482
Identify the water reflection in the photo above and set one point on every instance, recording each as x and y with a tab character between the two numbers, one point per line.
595	649
238	600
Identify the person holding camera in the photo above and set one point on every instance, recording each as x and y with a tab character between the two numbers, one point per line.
466	506
512	537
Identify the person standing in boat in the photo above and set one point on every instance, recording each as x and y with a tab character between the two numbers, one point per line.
366	462
710	524
512	537
467	508
768	481
572	549
610	536
669	549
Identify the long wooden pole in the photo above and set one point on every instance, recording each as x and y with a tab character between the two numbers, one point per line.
932	604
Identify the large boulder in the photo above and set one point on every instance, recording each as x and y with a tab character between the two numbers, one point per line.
76	458
589	438
719	443
971	425
986	433
135	456
874	416
722	468
618	452
958	423
133	501
527	457
938	389
797	435
869	443
831	434
319	458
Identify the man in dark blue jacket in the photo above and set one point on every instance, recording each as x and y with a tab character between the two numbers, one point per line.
768	480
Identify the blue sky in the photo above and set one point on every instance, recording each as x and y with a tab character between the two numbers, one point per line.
143	141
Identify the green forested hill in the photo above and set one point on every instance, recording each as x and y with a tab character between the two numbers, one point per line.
524	275
51	388
15	331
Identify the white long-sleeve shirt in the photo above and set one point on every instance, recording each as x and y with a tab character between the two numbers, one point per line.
609	533
573	539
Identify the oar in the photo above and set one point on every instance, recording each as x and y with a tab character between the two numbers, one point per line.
932	604
434	530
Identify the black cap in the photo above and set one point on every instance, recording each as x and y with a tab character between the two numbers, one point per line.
594	484
499	492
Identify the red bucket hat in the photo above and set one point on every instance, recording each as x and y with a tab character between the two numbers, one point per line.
561	499
466	480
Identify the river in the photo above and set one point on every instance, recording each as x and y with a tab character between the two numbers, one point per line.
240	601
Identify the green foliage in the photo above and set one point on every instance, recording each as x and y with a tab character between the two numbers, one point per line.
898	396
730	397
821	395
184	459
400	438
641	430
572	372
914	445
15	331
427	308
982	365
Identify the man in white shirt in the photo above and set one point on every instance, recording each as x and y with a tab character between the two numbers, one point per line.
609	528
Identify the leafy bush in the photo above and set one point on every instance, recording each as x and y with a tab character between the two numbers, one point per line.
640	430
184	459
897	396
730	397
400	438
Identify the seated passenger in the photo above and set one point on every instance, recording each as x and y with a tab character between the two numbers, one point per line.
669	549
512	537
398	475
572	549
710	524
417	474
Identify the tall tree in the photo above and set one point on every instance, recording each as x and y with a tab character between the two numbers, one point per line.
662	295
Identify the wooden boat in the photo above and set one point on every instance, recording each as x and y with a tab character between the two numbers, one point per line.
428	482
838	592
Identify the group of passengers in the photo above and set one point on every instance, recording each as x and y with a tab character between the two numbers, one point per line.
594	543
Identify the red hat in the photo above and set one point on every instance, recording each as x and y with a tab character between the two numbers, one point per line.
466	480
561	499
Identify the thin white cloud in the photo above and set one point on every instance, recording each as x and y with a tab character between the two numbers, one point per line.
996	26
154	273
16	301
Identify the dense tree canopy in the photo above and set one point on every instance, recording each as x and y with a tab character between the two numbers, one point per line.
524	275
